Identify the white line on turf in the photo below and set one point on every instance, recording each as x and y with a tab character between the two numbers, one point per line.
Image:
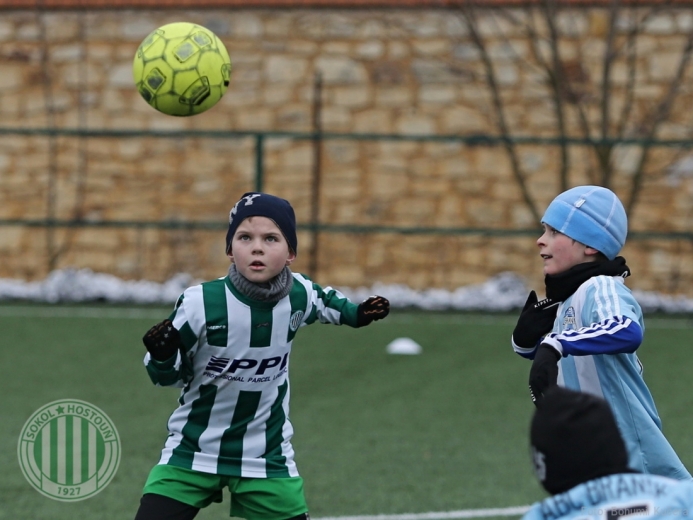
443	515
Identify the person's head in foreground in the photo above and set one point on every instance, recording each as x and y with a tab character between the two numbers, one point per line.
582	224
261	239
574	438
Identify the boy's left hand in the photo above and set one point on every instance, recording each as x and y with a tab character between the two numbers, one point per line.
373	308
544	372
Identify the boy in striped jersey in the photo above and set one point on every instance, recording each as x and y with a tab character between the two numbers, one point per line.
227	344
584	335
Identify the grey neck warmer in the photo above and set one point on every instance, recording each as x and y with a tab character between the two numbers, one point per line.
272	291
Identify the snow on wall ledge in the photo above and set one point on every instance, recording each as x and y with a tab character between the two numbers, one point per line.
504	292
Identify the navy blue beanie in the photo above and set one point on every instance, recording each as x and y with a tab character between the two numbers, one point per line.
254	204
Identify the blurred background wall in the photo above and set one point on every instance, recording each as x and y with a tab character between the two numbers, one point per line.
419	145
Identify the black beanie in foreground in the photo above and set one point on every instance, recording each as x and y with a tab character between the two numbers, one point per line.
574	438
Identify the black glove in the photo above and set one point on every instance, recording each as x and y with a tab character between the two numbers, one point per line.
544	372
373	308
162	340
536	320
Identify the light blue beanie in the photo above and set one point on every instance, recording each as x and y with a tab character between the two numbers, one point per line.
591	215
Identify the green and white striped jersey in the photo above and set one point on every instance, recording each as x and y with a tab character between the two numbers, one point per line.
233	413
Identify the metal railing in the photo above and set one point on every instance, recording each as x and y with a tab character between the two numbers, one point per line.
260	138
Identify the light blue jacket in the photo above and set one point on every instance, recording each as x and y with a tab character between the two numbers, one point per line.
598	329
638	496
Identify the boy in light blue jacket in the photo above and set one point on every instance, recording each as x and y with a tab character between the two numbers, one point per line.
584	335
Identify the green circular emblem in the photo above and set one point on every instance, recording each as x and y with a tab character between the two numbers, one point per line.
69	450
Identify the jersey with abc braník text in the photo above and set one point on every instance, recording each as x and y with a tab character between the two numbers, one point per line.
631	495
233	413
599	328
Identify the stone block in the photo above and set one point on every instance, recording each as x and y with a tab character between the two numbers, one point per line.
28	32
572	23
278	25
663	66
352	97
341	70
386	183
284	69
415	124
684	21
11	239
246	26
370	50
11	77
455	168
340	152
296	117
455	27
6	31
431	47
370	29
662	23
437	94
397	49
302	47
336	119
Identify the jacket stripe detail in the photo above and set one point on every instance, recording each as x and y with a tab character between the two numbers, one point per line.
615	335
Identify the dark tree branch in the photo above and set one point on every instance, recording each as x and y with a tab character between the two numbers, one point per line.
660	114
469	17
558	82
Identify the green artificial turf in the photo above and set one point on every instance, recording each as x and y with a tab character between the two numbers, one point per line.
374	433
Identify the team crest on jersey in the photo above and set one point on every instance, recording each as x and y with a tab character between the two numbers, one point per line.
569	321
295	320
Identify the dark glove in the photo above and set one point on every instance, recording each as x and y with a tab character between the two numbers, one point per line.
544	372
162	340
536	320
373	308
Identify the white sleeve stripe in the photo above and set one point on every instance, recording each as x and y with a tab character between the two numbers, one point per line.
608	302
332	315
598	298
521	350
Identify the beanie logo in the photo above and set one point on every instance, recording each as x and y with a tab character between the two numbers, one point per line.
539	460
248	202
295	321
579	202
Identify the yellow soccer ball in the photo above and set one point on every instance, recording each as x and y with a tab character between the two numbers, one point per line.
181	69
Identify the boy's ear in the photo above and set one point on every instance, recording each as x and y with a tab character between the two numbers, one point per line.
291	257
230	255
590	251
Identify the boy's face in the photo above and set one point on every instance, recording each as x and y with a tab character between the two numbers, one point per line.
259	249
560	252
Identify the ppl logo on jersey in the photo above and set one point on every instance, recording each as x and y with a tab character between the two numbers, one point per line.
217	364
259	366
569	321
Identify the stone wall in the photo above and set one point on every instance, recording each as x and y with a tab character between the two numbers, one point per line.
401	72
